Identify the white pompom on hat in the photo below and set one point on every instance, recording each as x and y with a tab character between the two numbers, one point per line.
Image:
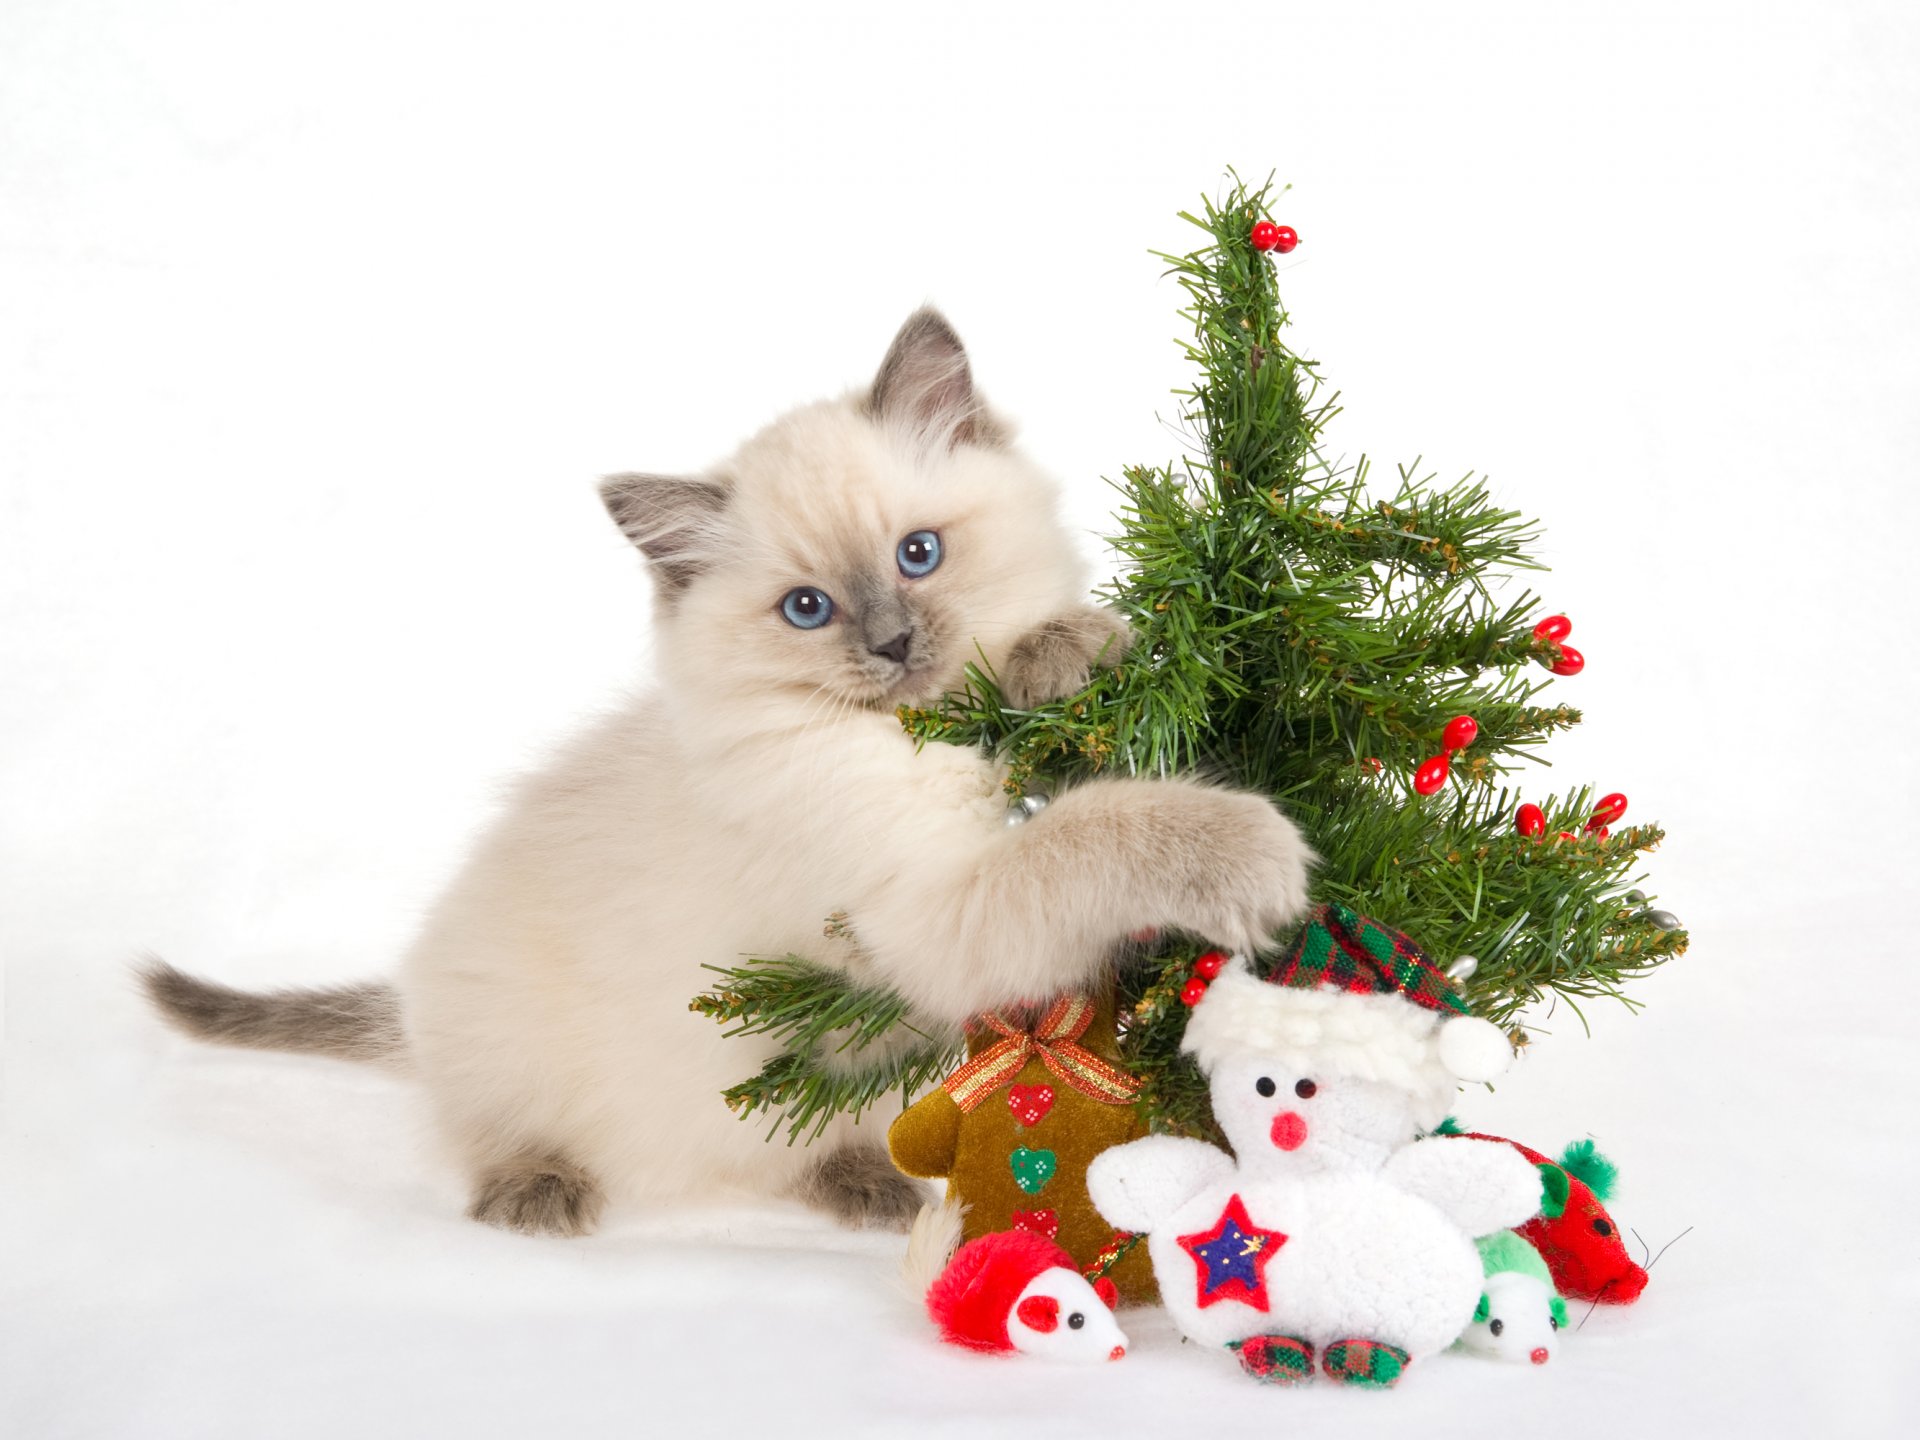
1352	997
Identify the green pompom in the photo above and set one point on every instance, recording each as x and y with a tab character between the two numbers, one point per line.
1556	1307
1448	1126
1483	1309
1585	1163
1554	1190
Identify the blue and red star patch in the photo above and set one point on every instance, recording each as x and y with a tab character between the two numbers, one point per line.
1232	1257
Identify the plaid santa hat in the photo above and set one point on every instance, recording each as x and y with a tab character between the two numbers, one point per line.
1351	997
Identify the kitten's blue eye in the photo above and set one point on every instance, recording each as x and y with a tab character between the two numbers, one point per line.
919	554
807	608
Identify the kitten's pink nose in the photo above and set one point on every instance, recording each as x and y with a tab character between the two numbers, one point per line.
1289	1130
1539	1355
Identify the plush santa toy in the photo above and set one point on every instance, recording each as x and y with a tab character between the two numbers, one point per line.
1333	1236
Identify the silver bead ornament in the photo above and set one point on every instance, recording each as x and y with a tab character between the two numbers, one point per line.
1636	897
1033	804
1665	919
1462	969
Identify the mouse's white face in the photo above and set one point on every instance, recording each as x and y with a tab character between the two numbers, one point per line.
1059	1316
1279	1118
1519	1324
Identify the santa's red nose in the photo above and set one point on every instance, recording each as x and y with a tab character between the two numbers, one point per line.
1539	1355
1289	1130
1119	1352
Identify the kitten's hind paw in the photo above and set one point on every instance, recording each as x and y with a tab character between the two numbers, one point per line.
859	1187
537	1195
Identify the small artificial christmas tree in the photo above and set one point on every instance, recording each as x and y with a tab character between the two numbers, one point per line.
1353	652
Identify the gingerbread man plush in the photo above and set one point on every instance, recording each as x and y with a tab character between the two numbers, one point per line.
1013	1130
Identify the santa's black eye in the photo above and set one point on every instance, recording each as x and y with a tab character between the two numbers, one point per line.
1496	1327
1265	1086
1076	1320
1601	1227
1305	1089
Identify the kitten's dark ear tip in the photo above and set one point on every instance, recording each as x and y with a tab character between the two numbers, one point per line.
927	326
673	520
926	383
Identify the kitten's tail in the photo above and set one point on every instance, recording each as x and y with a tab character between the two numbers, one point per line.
351	1022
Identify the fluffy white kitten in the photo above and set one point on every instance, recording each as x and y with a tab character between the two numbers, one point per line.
846	560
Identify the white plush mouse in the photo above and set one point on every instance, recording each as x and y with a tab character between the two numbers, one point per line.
1332	1237
1520	1316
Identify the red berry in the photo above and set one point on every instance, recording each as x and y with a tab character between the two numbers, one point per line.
1431	775
1555	628
1599	832
1610	809
1571	662
1266	235
1567	835
1461	731
1191	992
1208	965
1530	820
1287	238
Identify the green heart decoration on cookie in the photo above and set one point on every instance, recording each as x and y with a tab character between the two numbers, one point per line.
1032	1169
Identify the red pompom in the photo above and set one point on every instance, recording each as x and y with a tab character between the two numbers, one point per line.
1266	235
1108	1292
1461	731
1571	661
1191	992
1610	809
1555	628
1431	775
1208	965
1286	238
1530	820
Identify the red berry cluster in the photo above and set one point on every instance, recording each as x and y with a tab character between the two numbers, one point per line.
1268	236
1530	820
1461	731
1556	628
1204	969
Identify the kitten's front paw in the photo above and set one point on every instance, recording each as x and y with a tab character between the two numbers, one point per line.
1057	658
1246	878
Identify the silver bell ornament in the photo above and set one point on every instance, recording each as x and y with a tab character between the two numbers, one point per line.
1025	808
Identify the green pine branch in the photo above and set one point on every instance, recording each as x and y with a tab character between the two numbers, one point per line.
841	1044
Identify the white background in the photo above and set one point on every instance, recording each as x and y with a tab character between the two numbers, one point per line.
317	323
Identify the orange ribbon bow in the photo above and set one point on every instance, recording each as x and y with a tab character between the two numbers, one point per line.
1054	1040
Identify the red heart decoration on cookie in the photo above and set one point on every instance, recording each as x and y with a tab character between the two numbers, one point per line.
1030	1103
1037	1222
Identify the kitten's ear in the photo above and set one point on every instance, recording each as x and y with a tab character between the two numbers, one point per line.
926	385
673	519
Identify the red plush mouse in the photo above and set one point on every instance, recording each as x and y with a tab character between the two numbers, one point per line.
1573	1232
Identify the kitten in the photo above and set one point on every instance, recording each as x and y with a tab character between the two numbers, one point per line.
845	561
